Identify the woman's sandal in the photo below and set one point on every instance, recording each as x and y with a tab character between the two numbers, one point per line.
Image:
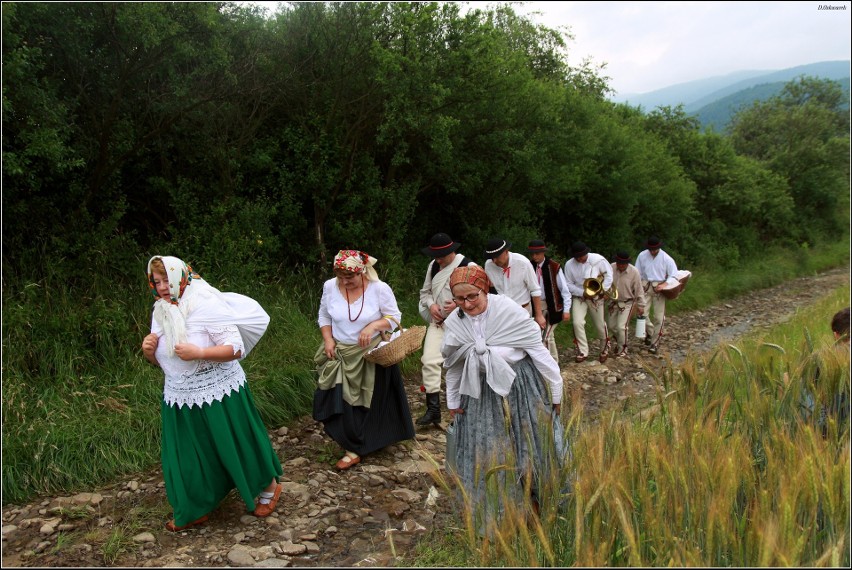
347	461
170	526
265	509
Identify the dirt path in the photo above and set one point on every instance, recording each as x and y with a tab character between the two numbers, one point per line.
371	515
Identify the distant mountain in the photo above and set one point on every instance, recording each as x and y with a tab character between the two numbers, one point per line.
717	115
684	92
824	70
695	95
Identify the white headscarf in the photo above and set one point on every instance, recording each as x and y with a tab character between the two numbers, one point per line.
171	315
356	261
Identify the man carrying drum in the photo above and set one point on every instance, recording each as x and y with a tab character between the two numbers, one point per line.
658	271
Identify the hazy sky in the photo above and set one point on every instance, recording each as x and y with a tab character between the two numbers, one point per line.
651	45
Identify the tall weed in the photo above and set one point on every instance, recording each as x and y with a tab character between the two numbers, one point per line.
727	472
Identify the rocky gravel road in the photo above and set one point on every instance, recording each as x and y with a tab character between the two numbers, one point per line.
371	515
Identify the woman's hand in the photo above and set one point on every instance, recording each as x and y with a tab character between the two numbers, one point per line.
449	306
366	335
189	351
566	316
329	344
557	409
454	412
149	347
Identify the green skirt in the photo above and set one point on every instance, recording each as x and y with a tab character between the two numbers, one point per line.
209	450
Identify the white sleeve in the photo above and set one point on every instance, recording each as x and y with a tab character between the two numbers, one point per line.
324	317
547	366
452	378
388	306
573	288
607	273
453	381
426	298
671	266
563	290
532	280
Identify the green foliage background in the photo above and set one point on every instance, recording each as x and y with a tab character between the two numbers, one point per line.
255	147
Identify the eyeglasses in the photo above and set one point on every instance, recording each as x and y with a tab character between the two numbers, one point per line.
472	298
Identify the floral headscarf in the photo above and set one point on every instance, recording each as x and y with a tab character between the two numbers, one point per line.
472	275
179	274
357	262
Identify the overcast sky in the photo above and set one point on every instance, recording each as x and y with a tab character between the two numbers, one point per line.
651	45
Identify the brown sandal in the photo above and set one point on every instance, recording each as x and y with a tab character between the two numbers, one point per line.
265	509
347	461
170	526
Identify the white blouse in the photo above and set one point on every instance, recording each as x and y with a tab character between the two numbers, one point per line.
196	382
377	301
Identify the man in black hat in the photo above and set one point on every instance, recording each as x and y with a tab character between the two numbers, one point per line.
555	297
658	271
585	265
631	300
512	275
436	302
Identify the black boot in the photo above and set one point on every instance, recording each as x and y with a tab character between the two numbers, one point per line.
433	410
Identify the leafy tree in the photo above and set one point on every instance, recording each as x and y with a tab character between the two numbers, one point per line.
740	204
803	136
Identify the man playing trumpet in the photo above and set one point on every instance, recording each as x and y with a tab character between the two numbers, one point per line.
582	267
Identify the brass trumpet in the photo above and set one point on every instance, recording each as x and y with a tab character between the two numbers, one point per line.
593	287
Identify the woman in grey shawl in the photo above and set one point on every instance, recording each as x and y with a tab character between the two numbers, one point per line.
504	392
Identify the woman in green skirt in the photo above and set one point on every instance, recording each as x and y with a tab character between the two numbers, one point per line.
213	439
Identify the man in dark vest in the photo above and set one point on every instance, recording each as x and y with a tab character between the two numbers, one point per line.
555	297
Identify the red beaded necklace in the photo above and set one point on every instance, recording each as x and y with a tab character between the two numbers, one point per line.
349	308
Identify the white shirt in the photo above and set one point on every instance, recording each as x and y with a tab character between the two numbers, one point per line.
656	268
576	273
377	301
520	284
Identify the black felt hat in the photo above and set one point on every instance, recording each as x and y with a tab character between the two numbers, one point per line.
654	242
579	249
495	247
440	245
537	246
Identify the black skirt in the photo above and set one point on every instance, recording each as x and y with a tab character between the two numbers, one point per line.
364	430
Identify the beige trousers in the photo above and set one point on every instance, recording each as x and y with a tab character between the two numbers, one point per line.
432	359
618	320
580	307
656	307
550	343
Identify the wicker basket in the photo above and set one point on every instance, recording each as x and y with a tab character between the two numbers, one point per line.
409	341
